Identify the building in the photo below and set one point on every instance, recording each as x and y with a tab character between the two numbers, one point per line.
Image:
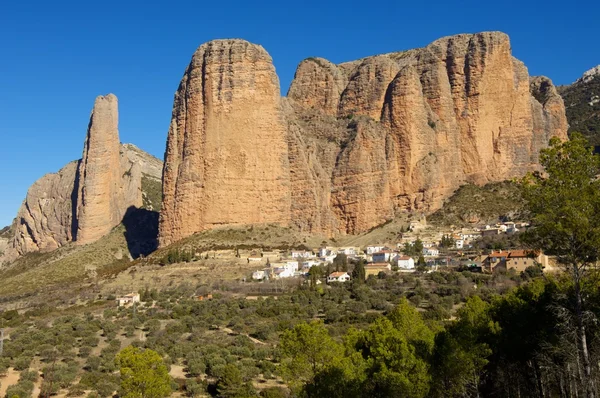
282	272
406	262
376	268
338	277
431	252
302	254
373	249
348	251
490	232
259	275
382	256
306	265
459	243
518	260
254	259
291	264
128	299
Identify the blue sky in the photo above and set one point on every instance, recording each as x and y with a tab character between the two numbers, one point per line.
57	56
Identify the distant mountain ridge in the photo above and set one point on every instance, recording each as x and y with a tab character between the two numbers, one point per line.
582	103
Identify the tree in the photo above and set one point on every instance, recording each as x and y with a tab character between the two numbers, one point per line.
447	242
358	273
340	262
314	273
143	373
307	349
565	207
231	384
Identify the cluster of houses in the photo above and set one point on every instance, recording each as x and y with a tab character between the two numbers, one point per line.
298	262
503	228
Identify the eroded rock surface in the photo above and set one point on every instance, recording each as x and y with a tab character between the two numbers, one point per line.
226	161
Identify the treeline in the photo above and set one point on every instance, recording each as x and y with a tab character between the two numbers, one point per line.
521	344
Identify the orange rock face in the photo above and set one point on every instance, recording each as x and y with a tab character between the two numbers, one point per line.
226	158
352	144
106	185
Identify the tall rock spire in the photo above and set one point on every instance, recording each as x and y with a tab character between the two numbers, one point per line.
106	186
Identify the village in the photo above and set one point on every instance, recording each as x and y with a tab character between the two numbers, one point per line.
422	248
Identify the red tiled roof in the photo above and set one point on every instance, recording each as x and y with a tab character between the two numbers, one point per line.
336	274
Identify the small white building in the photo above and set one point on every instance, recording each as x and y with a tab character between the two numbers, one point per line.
459	243
328	258
374	249
348	251
338	277
302	254
382	256
254	259
128	299
282	272
259	275
431	252
406	262
309	264
292	265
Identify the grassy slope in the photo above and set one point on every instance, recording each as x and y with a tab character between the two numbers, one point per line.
480	205
38	271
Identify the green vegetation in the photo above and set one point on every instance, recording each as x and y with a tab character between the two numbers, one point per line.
151	193
143	373
565	205
482	205
582	116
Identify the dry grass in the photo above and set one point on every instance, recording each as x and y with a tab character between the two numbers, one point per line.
68	264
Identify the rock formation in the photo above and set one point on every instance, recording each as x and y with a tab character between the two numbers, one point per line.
365	139
226	157
107	184
87	198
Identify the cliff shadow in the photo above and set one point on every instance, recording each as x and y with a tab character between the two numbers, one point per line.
141	231
74	195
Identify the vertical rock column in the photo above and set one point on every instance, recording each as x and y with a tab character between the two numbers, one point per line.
104	190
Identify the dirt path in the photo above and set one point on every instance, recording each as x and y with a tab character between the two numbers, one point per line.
11	378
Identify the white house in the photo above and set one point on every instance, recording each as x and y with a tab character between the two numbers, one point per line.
128	299
309	264
255	259
302	254
282	272
259	275
406	262
338	277
374	249
292	265
459	243
348	251
328	258
382	256
430	252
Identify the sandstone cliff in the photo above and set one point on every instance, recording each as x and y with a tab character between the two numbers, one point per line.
226	158
352	144
87	198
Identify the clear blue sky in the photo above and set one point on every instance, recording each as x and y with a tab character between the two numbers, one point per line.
56	57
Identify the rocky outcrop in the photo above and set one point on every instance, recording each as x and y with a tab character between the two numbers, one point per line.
107	185
226	161
365	139
459	110
87	198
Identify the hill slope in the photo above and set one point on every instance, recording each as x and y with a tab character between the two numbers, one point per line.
582	103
